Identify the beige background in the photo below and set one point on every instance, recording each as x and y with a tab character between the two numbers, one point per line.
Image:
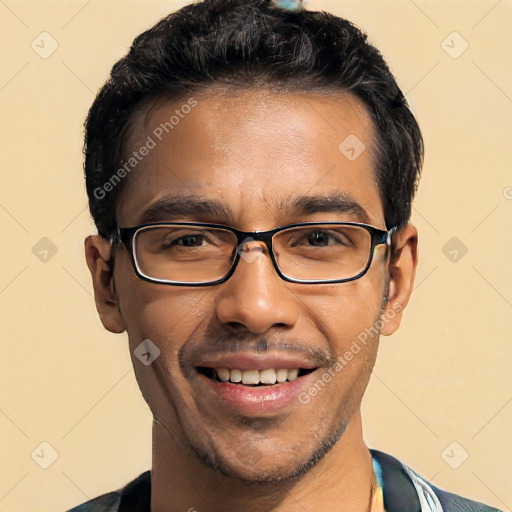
443	378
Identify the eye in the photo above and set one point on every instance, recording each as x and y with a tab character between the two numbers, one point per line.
319	238
323	238
188	241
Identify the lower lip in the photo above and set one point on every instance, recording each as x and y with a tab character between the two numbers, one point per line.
260	399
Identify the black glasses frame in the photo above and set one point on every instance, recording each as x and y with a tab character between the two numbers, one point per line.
378	236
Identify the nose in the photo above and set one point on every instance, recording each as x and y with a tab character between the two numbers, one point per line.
255	297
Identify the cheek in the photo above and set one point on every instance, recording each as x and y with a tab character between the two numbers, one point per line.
163	314
167	315
346	310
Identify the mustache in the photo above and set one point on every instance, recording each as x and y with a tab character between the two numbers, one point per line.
230	343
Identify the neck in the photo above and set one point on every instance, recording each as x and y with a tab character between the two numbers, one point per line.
341	480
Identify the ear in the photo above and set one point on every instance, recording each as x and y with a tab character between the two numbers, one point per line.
402	270
98	253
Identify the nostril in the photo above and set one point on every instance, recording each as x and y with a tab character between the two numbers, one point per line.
235	325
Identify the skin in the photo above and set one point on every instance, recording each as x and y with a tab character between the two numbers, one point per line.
253	152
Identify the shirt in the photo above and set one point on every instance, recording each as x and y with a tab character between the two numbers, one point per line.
402	490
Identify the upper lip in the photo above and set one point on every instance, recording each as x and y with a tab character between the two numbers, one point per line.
258	362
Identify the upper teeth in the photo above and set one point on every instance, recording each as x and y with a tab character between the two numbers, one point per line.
269	376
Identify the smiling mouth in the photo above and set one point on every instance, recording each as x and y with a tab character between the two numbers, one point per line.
254	378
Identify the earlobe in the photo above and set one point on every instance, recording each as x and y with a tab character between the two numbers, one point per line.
402	271
98	254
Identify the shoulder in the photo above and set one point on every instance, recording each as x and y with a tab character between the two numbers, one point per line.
134	497
401	482
454	503
105	503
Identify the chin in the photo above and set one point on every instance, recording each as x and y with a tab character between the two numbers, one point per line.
251	465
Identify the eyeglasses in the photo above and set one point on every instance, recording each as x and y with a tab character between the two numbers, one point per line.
198	254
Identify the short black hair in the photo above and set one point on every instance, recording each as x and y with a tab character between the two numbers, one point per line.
242	44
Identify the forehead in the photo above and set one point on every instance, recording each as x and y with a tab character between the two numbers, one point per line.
253	152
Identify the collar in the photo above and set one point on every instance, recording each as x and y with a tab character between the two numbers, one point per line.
403	489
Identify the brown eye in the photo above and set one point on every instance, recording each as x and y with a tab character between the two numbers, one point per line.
319	238
189	241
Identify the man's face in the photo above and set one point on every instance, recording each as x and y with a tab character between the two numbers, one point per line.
255	154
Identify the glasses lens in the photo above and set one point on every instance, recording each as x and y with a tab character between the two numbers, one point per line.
322	252
184	254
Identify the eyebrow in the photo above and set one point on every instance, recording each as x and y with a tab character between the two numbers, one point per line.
333	203
212	210
188	206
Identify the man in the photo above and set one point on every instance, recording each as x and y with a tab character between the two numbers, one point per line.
250	169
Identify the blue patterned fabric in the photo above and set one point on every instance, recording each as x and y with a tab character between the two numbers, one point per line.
288	5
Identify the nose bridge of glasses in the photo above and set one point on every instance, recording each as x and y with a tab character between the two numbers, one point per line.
251	247
254	241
